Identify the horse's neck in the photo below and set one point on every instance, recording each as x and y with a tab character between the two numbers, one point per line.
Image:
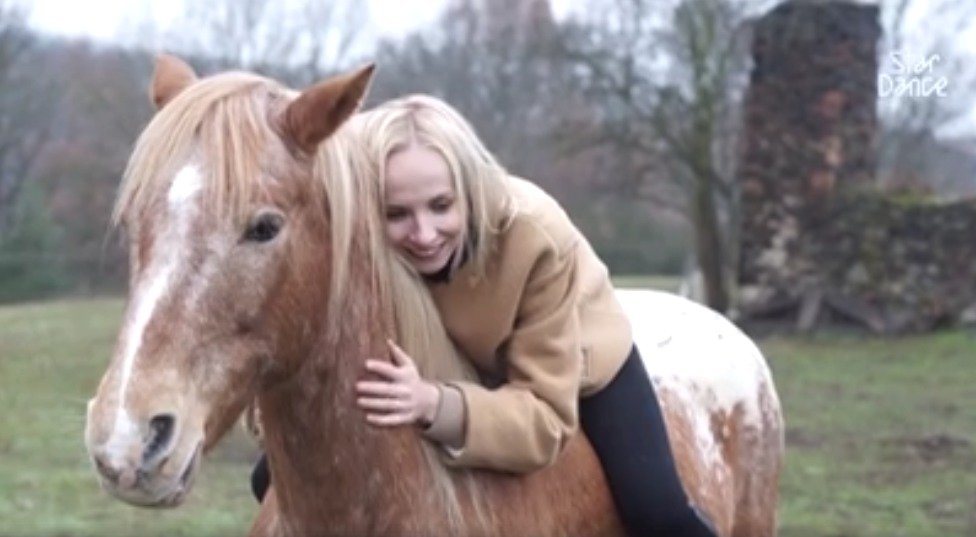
327	463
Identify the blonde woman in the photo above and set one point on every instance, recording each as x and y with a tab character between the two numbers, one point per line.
527	301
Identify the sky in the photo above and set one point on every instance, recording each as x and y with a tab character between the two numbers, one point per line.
102	19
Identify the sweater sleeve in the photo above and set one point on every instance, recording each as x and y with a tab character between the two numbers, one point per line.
524	424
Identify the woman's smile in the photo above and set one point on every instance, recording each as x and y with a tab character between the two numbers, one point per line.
423	218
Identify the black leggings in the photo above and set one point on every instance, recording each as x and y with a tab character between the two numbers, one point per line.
624	424
260	478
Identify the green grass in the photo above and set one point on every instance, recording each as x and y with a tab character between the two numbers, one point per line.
880	435
663	283
880	439
51	358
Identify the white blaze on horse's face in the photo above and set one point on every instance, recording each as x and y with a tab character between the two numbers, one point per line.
135	445
154	285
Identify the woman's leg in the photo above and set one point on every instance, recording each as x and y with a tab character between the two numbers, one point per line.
624	424
260	478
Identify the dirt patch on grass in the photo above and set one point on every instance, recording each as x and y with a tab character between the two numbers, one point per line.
803	439
931	448
954	513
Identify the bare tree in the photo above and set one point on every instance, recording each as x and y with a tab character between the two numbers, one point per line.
300	41
494	61
25	109
668	77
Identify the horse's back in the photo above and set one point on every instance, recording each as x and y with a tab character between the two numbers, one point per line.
721	407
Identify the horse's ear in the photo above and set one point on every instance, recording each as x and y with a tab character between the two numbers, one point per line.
170	76
321	109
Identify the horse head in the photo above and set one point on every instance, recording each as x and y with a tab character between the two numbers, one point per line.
231	256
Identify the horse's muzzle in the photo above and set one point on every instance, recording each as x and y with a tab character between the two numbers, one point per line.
153	485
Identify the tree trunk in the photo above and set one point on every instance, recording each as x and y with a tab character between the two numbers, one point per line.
708	247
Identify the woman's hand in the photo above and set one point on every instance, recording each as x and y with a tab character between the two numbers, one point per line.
401	397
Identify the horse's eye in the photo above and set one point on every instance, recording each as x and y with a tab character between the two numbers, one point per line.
264	227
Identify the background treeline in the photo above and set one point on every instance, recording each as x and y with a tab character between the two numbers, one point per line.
70	111
627	113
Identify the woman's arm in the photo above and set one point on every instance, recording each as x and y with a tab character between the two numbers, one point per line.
523	424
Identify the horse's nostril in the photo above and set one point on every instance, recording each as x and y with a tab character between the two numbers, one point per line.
161	429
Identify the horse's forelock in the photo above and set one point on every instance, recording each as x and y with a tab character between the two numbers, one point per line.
223	123
220	121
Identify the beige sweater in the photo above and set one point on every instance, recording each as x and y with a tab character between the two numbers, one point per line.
544	319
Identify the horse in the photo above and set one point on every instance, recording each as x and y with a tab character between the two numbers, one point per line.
258	273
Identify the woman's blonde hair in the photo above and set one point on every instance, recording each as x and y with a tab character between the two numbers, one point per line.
482	188
479	180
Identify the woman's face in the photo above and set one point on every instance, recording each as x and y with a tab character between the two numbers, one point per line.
423	214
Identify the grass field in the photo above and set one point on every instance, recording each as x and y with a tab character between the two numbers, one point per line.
880	436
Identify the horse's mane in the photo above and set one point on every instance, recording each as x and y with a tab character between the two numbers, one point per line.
225	117
419	328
